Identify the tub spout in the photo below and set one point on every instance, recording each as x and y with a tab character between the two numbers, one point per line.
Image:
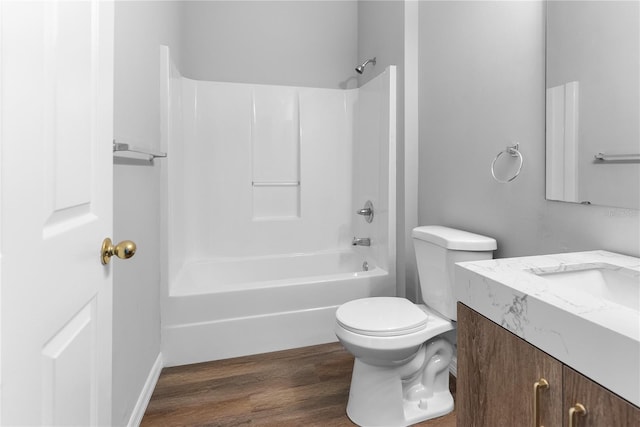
361	241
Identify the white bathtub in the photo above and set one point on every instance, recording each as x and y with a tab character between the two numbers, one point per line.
234	274
265	170
238	306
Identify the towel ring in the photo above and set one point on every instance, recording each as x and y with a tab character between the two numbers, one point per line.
513	152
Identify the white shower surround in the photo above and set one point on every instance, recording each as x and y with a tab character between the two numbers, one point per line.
262	187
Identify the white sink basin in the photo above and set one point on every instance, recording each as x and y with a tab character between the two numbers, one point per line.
613	283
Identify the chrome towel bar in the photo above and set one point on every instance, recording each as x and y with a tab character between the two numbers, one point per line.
617	157
123	147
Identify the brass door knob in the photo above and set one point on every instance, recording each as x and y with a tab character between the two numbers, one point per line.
123	250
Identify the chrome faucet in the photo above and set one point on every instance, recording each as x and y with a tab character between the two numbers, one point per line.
361	241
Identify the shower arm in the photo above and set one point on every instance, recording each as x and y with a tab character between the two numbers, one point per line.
360	68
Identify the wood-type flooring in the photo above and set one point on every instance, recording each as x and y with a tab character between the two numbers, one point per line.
301	387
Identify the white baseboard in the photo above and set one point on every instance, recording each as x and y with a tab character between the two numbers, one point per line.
145	394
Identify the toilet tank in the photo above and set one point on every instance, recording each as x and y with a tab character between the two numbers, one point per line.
437	250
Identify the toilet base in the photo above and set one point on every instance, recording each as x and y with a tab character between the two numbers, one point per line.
395	396
436	406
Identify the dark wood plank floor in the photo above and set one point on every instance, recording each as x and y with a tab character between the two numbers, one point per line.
301	387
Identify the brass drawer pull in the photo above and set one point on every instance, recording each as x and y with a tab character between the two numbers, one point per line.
541	384
577	409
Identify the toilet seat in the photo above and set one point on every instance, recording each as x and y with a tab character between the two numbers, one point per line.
399	337
381	317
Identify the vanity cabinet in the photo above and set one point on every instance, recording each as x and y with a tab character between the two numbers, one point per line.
496	373
505	381
603	407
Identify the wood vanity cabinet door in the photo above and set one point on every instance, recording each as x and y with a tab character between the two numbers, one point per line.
603	407
496	373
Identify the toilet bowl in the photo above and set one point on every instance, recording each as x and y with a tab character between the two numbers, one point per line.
401	368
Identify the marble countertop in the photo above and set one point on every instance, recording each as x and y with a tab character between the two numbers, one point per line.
597	337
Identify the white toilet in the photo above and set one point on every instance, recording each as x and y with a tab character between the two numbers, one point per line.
400	375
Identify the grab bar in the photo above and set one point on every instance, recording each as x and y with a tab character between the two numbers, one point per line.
124	147
276	184
616	157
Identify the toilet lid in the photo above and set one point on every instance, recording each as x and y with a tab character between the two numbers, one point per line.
381	316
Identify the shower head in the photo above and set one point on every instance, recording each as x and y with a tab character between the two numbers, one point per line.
360	68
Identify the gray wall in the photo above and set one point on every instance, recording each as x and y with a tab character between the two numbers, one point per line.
481	87
141	26
380	34
294	43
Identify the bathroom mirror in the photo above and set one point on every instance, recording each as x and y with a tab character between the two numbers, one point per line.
593	98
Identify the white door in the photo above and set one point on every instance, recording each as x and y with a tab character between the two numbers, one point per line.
56	84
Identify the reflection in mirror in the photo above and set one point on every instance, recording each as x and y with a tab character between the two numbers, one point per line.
593	102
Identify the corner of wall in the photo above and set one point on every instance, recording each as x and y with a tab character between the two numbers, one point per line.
145	394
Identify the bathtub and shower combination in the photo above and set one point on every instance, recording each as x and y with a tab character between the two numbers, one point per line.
262	188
